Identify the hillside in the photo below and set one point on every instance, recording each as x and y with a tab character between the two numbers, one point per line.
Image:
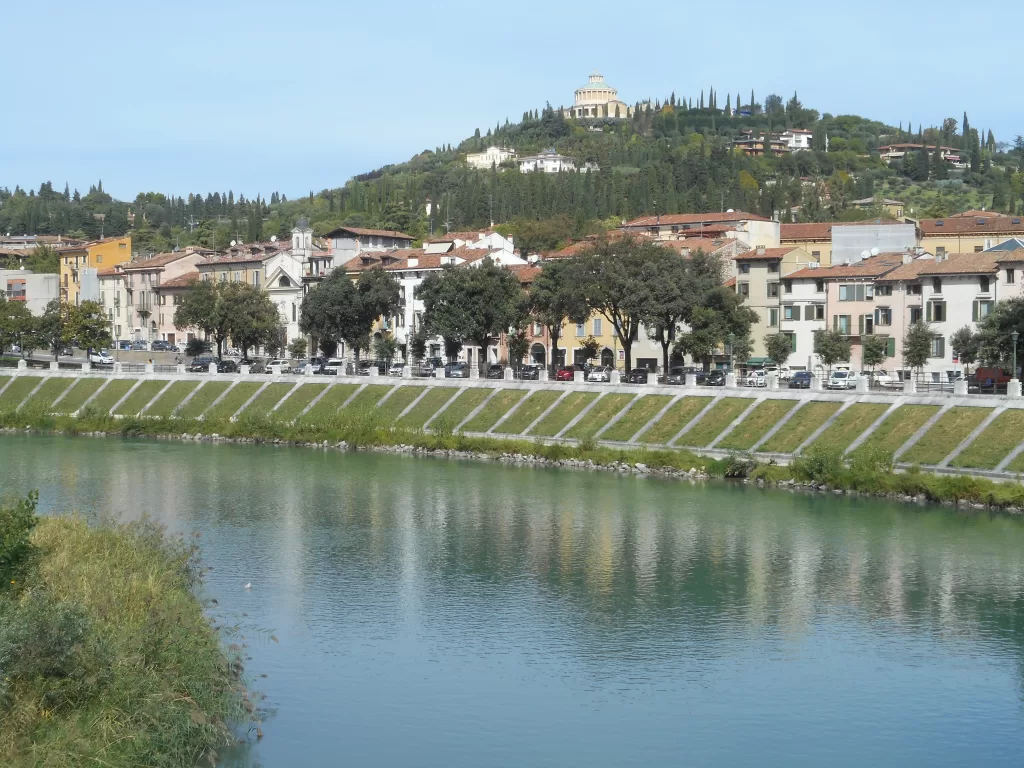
669	157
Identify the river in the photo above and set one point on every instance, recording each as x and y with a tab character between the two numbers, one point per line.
441	613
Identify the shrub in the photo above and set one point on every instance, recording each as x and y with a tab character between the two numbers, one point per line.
739	466
443	426
821	464
17	553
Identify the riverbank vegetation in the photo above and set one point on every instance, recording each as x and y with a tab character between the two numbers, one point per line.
106	657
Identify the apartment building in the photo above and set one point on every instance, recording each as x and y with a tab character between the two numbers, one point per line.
750	229
762	280
79	265
968	234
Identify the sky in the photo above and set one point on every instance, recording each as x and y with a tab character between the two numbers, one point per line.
258	96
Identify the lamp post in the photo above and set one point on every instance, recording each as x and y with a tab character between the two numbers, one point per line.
1015	335
1013	387
732	340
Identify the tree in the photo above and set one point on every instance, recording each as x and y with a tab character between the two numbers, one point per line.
17	325
995	332
418	345
966	346
917	345
557	296
721	316
88	326
518	346
199	308
251	319
384	346
778	346
297	348
873	349
53	331
831	346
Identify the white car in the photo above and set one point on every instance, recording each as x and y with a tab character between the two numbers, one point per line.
756	379
102	357
286	367
879	377
599	373
396	369
333	367
843	379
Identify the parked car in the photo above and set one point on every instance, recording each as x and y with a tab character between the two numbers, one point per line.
456	371
568	372
299	367
756	378
987	380
159	345
100	357
495	371
715	378
529	372
424	369
66	352
139	346
227	366
600	373
396	369
636	376
879	378
255	366
800	380
286	367
124	345
201	364
846	379
332	367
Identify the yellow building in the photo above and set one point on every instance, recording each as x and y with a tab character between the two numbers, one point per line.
968	234
97	255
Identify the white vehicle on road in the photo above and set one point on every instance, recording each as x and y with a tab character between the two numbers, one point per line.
101	357
756	379
843	379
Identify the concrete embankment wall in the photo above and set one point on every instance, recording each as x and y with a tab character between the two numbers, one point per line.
981	435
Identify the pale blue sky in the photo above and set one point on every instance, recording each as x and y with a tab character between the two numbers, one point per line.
259	96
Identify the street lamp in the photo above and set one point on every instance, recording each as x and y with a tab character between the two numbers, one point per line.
732	341
1014	336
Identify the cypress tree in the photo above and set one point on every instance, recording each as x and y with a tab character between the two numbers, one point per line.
965	134
728	107
751	101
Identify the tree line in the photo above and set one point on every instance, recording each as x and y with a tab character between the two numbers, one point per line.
61	326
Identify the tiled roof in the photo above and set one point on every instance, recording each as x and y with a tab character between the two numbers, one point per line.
874	267
694	244
730	283
108	272
975	213
764	254
525	272
961	264
182	281
1010	257
820	231
154	262
370	232
469	237
693	218
1009	225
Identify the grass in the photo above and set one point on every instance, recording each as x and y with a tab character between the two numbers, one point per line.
947	433
114	391
232	401
398	402
172	398
530	408
718	418
643	410
850	425
81	392
992	446
757	424
115	663
269	397
298	400
677	417
499	405
140	398
565	412
18	390
605	410
464	404
370	396
332	401
800	426
50	391
898	428
425	408
201	400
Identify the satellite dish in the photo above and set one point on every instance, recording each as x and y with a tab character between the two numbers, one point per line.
875	251
232	243
273	238
865	254
730	211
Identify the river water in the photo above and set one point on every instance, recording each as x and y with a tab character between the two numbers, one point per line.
440	613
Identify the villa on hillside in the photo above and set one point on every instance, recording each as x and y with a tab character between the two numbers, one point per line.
492	156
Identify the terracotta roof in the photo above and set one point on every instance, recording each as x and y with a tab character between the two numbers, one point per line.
370	232
108	272
819	231
961	264
1008	256
693	218
154	262
764	254
730	283
974	224
182	281
910	271
525	272
469	237
874	267
694	244
976	214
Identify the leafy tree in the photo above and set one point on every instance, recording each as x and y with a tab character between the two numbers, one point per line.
418	344
778	347
590	348
831	346
518	346
966	345
17	325
720	316
200	308
557	296
297	348
251	319
195	347
384	346
995	331
917	345
88	326
872	351
55	329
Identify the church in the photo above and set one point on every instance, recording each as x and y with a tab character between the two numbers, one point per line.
597	99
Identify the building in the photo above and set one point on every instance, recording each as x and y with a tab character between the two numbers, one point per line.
148	315
951	155
283	272
597	99
819	239
758	146
549	161
751	230
894	208
488	240
490	157
35	291
346	243
28	243
960	234
797	139
94	256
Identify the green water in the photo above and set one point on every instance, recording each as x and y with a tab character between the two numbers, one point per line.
439	613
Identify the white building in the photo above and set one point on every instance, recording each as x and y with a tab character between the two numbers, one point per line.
797	139
597	99
34	291
492	156
487	240
803	313
547	161
283	272
345	243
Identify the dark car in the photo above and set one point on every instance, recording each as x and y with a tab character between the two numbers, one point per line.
678	374
528	372
256	366
125	345
495	371
800	380
715	378
200	364
636	376
138	346
160	346
456	371
227	366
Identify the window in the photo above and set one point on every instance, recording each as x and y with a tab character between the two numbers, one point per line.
537	329
841	323
890	347
915	315
1011	276
883	290
99	258
978	248
744	269
819	286
883	316
790	312
223	277
937	284
743	289
814	312
981	309
865	324
580	331
983	284
773	290
597	326
177	299
936	312
940	253
816	255
792	340
163	300
237	278
938	347
773	318
256	278
857	292
206	277
914	290
787	286
293	311
773	267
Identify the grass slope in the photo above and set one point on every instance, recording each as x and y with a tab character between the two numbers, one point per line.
111	393
333	400
298	400
398	402
140	397
800	427
18	390
499	405
599	415
462	406
714	421
850	424
757	424
369	397
677	417
83	390
209	392
49	392
171	399
269	397
898	428
566	411
233	400
528	410
645	409
427	407
948	432
992	446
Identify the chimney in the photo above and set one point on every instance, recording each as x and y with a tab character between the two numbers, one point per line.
760	250
413	262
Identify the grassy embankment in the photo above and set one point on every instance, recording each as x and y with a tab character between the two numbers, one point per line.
106	656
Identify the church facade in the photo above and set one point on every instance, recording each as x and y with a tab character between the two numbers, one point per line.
597	99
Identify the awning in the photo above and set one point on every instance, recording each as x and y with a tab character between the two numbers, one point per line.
758	361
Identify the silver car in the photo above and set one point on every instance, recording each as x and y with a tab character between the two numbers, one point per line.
599	373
